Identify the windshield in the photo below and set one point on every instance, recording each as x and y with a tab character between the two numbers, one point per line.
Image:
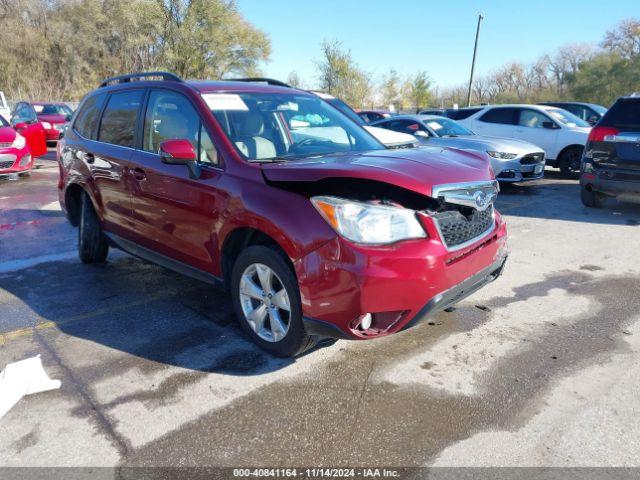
599	109
567	118
445	127
53	109
267	126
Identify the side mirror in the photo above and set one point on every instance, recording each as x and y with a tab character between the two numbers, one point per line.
421	134
592	120
19	126
550	125
180	152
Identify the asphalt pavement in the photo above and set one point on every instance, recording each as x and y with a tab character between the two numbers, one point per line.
540	368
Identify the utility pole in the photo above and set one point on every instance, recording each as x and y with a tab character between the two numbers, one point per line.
473	62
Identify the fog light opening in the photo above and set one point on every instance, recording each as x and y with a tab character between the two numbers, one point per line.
365	322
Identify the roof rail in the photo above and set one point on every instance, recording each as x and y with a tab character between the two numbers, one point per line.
140	76
268	81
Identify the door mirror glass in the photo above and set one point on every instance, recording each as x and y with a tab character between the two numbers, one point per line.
177	152
549	125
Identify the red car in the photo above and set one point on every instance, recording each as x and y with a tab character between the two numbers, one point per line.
18	149
312	224
53	116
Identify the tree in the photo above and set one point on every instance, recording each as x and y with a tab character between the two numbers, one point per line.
624	39
73	44
419	92
390	89
606	77
341	77
294	80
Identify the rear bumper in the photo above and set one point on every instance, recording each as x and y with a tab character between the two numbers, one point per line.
400	284
606	182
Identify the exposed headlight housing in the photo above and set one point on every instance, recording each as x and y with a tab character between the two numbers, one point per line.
59	126
46	125
369	224
19	142
502	155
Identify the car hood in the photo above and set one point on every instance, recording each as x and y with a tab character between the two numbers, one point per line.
52	118
484	144
7	135
390	138
416	169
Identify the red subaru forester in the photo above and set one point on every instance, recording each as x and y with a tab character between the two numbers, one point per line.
313	225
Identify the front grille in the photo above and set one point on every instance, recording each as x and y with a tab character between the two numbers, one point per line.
532	158
5	144
6	164
456	228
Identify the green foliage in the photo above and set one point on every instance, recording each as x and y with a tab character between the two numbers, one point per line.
604	78
341	77
419	90
60	49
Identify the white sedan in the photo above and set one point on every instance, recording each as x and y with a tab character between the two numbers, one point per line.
559	133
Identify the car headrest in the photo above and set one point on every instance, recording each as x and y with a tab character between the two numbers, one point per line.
250	124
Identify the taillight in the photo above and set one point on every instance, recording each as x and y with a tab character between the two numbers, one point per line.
599	134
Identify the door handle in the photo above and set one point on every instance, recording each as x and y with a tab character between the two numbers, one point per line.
139	174
88	157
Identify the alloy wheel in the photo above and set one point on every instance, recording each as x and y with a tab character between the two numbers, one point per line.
265	302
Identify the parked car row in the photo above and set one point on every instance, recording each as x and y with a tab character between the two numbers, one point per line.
25	137
511	160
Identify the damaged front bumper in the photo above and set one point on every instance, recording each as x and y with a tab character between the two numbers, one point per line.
398	285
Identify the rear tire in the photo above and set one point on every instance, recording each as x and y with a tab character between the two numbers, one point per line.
93	246
591	198
296	340
25	174
569	162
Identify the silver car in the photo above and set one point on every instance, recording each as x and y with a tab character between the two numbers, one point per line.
511	160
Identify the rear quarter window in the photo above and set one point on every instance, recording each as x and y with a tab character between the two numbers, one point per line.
86	123
624	115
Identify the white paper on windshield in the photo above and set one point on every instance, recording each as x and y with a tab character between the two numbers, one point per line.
38	108
434	125
224	101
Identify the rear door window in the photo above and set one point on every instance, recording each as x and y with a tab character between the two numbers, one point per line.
86	124
505	116
624	115
120	118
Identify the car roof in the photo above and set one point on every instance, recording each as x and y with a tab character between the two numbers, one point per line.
208	86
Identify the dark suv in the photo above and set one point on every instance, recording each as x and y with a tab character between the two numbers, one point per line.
611	161
314	226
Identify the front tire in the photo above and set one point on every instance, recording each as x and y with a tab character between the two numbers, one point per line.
93	246
569	161
591	198
266	300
